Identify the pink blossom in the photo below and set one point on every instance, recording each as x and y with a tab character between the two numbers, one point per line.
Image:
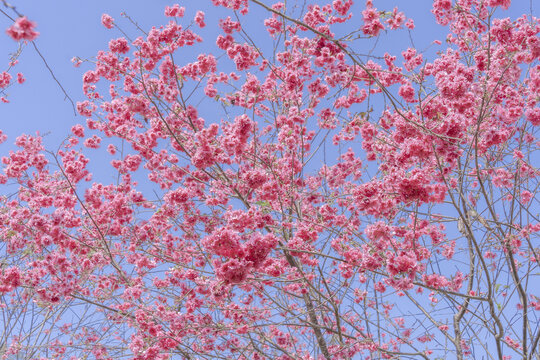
20	78
426	338
526	196
78	130
107	21
435	281
396	19
403	263
442	9
5	79
233	271
111	149
502	3
229	26
86	108
244	56
258	247
237	134
533	116
412	60
93	142
342	7
372	25
10	279
379	286
119	45
407	93
22	29
199	19
174	11
512	343
224	242
457	281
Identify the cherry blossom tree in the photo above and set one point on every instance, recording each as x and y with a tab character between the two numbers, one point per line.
288	195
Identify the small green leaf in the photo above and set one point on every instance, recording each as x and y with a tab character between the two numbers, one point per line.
263	203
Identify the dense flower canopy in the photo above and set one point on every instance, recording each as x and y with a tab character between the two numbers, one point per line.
298	200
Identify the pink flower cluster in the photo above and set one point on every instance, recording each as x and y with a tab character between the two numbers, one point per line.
174	11
107	21
5	79
10	279
242	258
22	29
372	24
